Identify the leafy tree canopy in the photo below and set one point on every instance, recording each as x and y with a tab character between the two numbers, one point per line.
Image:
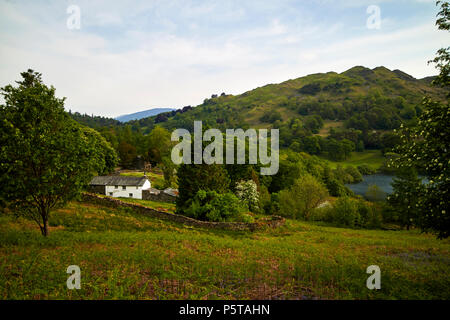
46	158
426	145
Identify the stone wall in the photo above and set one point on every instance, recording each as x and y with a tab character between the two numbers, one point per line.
160	196
269	222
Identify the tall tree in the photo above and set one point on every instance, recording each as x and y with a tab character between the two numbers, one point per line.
427	146
159	145
46	158
195	177
302	197
404	200
159	148
127	154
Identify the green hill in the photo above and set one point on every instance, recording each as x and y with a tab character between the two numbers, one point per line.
325	114
358	91
383	97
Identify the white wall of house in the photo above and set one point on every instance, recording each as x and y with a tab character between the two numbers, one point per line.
147	185
127	191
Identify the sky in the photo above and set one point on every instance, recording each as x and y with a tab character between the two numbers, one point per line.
111	58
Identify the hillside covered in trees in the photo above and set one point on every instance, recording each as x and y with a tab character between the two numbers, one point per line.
326	114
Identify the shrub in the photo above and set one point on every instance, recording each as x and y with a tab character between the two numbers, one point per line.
364	169
333	184
389	214
371	217
248	193
346	213
299	201
274	206
343	175
212	206
271	116
337	189
311	89
356	175
195	177
264	200
325	214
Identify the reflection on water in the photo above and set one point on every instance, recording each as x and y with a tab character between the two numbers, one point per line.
383	181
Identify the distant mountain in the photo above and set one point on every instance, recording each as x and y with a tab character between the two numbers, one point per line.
142	114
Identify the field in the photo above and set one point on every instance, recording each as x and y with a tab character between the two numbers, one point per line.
162	206
124	255
327	125
371	158
156	179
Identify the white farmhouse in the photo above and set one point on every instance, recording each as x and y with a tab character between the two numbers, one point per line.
120	186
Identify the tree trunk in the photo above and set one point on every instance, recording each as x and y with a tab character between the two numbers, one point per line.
45	232
44	227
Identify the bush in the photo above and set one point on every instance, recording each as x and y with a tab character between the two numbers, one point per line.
356	175
343	175
336	188
311	89
346	213
325	214
333	184
274	206
264	200
390	215
212	206
247	192
371	217
302	198
271	116
364	169
192	178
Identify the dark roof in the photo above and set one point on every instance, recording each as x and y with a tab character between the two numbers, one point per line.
154	191
118	181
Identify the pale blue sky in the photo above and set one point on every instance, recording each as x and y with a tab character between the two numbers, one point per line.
133	55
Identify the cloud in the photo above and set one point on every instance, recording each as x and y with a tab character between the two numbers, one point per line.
133	55
107	19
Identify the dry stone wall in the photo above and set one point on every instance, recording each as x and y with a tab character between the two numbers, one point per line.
269	222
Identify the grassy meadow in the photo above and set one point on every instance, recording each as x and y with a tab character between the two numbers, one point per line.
157	179
161	206
125	255
372	158
327	125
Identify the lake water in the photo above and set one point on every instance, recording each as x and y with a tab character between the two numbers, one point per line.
383	181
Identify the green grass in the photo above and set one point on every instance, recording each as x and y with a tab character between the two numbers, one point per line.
166	206
371	158
325	131
157	180
129	256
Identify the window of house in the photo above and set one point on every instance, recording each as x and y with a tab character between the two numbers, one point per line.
131	195
124	188
137	187
110	193
116	187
